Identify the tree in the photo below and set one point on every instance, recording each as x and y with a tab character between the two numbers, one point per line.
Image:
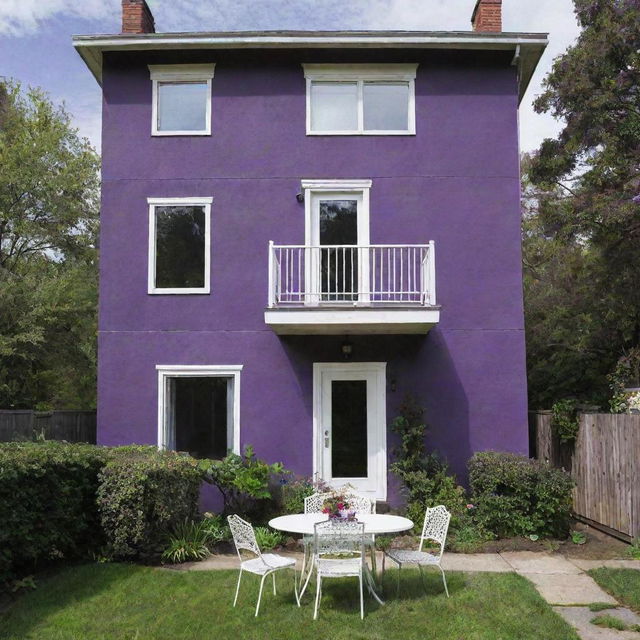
48	260
582	244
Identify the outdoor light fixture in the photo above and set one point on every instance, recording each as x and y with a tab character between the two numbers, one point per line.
300	197
347	349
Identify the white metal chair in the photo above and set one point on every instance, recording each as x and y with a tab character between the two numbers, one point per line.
312	504
436	525
364	505
264	564
338	538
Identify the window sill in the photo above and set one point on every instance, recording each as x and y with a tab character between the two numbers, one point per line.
160	134
178	292
361	133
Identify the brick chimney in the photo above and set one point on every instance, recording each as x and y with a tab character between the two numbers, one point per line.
137	17
487	16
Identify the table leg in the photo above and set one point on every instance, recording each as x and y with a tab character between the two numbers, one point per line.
371	585
309	564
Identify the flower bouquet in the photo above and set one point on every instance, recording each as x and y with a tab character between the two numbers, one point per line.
337	506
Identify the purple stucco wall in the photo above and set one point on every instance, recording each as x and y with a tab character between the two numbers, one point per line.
455	182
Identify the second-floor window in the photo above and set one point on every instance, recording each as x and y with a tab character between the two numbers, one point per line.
181	102
360	99
179	245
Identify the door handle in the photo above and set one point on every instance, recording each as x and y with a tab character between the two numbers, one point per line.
326	439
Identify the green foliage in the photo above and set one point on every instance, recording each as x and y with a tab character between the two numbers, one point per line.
626	374
217	528
622	584
468	537
49	205
426	480
143	494
578	537
47	504
581	246
268	539
634	549
564	420
295	491
601	606
244	482
188	540
609	622
516	496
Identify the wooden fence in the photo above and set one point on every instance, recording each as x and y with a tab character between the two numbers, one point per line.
72	426
605	464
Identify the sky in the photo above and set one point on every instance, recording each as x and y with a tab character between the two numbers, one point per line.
35	38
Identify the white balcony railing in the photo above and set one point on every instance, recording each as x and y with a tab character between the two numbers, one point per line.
353	275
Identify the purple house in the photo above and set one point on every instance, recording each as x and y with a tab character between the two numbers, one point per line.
301	227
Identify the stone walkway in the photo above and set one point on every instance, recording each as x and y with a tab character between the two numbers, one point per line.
561	581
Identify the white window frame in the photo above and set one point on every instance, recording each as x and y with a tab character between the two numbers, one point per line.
207	371
361	74
179	202
180	73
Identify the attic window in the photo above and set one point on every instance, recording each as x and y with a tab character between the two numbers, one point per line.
360	99
181	102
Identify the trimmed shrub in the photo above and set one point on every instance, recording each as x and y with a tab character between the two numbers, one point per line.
47	504
143	495
516	496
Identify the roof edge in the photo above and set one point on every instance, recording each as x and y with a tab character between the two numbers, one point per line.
527	47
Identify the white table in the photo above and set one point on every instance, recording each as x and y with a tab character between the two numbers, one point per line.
374	523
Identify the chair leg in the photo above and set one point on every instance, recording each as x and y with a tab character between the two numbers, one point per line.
260	593
273	575
444	580
237	588
304	562
424	586
374	568
318	588
361	599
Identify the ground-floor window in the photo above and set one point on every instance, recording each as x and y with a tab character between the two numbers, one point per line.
198	409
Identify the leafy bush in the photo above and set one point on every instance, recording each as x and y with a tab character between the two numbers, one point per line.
47	504
244	482
295	491
564	420
188	541
217	527
143	494
516	496
426	479
268	539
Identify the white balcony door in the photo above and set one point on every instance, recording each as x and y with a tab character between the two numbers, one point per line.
350	426
338	269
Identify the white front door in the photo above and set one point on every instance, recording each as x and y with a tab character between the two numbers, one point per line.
350	426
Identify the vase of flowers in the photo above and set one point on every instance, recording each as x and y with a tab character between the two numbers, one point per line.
337	506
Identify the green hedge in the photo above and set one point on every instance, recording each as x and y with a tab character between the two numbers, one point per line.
517	496
66	501
47	503
143	494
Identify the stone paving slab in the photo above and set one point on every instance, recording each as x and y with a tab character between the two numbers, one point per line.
580	619
489	562
585	565
532	562
568	589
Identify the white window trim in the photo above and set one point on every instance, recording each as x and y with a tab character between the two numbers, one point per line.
180	73
361	73
208	371
182	202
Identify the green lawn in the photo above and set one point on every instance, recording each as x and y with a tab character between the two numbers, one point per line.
622	584
118	601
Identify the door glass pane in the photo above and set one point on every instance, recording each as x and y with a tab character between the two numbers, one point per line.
180	236
386	106
349	429
339	266
182	106
334	106
200	415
